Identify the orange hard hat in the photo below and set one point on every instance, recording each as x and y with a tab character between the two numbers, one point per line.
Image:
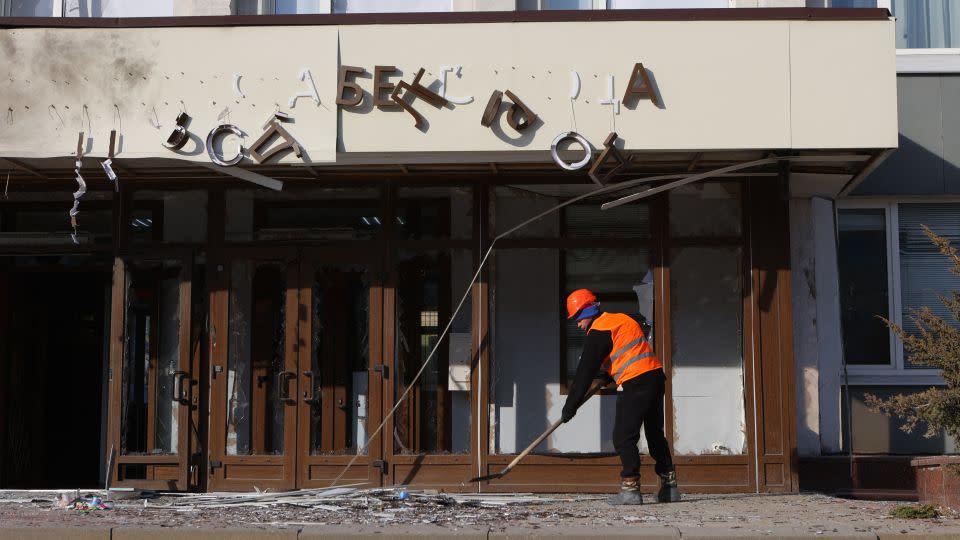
578	300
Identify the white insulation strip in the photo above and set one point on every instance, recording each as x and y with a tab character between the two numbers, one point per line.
75	209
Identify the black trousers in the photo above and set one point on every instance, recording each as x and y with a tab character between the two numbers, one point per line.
640	405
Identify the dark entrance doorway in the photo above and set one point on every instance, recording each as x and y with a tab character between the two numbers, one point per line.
52	372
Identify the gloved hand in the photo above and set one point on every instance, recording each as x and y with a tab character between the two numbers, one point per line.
568	414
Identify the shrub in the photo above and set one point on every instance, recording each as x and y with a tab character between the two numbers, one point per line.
906	511
937	344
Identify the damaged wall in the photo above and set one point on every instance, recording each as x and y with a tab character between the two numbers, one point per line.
707	332
805	344
816	326
61	81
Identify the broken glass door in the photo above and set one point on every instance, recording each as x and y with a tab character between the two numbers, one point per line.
150	383
435	415
339	408
254	383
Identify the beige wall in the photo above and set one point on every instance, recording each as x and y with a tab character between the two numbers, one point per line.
724	85
58	82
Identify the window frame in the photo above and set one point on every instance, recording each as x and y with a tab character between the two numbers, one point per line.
920	60
895	371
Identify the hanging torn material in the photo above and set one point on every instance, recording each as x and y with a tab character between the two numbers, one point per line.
75	209
108	164
80	192
108	168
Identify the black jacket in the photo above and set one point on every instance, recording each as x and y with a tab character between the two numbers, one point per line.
597	345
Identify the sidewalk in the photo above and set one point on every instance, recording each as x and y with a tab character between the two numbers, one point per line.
35	516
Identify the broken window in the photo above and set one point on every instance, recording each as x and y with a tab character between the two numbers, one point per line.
255	358
705	209
178	217
322	214
434	213
623	282
536	348
589	221
512	205
706	324
151	359
435	417
42	223
340	359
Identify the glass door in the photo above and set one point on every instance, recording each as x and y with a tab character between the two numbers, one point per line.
149	378
253	338
341	370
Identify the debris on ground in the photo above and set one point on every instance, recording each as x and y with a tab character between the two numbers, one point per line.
405	507
343	498
84	504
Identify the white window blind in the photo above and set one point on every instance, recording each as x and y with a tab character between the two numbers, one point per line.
924	272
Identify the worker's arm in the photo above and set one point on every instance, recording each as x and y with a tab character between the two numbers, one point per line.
596	347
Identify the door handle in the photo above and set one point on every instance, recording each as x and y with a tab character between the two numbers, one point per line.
282	383
309	396
180	395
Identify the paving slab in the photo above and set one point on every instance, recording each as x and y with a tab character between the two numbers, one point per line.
179	533
724	533
647	532
54	533
398	532
951	533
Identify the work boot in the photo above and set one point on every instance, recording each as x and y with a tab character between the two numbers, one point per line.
669	492
629	493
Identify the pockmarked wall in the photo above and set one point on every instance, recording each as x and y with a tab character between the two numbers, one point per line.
56	83
710	85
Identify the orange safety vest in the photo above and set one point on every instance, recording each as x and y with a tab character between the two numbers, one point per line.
632	354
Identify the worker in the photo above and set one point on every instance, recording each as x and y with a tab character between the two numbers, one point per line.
616	350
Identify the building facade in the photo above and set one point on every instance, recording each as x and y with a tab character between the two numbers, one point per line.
883	266
286	251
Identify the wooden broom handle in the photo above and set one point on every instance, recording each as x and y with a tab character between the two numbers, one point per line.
598	384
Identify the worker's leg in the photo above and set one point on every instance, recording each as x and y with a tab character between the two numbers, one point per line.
658	445
653	428
632	405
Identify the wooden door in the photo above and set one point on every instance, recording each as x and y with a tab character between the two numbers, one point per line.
341	370
150	386
253	371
